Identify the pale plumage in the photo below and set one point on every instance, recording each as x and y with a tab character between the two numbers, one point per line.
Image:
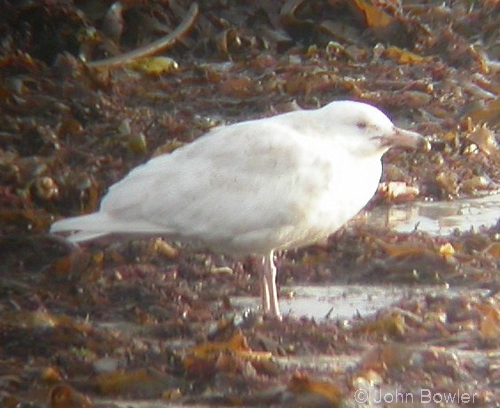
254	187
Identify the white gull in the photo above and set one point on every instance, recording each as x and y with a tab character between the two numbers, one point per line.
255	187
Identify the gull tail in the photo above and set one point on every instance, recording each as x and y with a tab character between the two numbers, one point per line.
84	227
100	224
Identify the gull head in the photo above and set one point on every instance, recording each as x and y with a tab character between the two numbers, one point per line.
367	131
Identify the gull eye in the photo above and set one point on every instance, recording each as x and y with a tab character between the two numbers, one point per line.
361	125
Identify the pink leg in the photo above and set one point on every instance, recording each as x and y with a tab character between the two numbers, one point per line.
264	288
269	293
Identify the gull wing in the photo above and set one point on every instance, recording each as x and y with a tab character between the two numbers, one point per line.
241	188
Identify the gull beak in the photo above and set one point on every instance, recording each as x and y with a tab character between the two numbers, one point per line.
406	138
